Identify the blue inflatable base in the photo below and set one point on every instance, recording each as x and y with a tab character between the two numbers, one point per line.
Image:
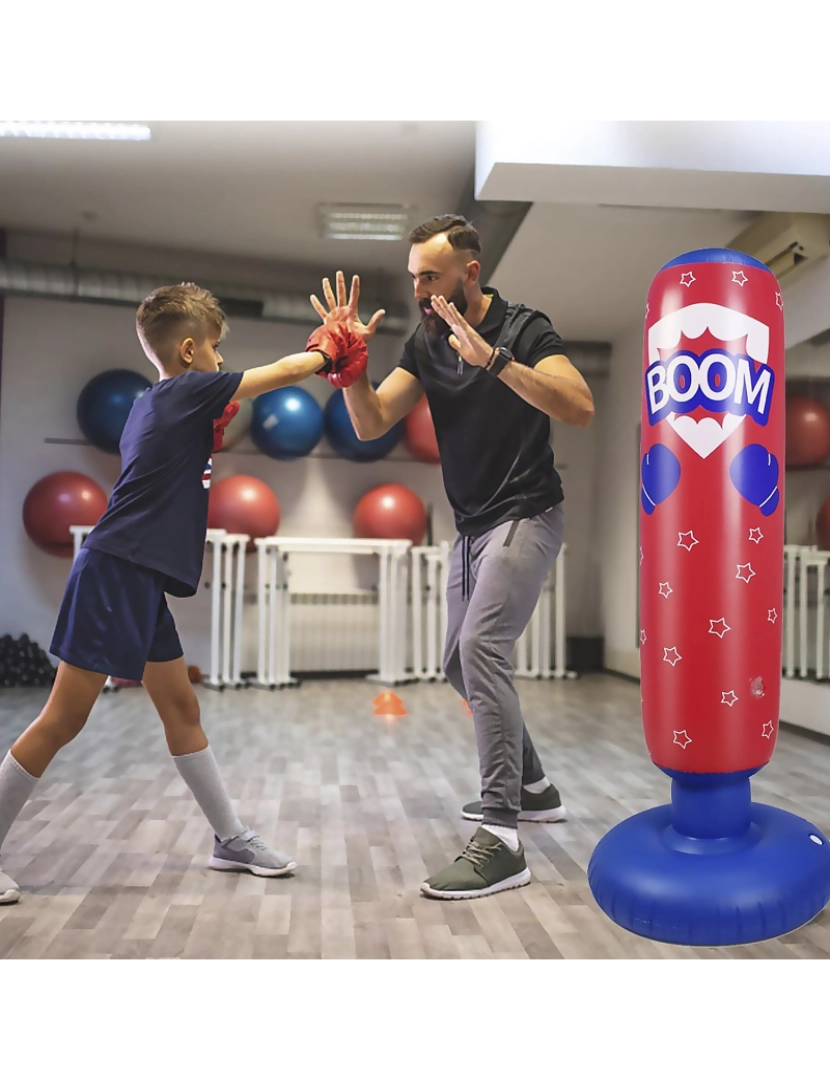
655	882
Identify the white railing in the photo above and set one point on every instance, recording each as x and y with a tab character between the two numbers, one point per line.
79	534
430	566
403	652
533	648
225	618
226	606
535	659
274	604
806	613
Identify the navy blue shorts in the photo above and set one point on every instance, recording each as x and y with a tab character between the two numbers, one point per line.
114	618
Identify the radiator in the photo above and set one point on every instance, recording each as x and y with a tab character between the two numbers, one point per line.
806	613
334	631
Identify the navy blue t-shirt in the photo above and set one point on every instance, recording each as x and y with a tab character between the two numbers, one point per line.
157	513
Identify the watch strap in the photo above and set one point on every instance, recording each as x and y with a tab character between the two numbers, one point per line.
499	361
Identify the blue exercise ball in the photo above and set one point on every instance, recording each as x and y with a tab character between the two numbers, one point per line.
286	423
344	441
104	405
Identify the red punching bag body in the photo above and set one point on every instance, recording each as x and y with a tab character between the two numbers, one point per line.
712	517
714	867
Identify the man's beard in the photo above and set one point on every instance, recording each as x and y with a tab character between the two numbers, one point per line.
434	325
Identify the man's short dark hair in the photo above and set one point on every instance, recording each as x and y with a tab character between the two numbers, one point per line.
460	233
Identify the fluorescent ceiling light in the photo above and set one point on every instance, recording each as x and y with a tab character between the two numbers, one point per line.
71	129
355	222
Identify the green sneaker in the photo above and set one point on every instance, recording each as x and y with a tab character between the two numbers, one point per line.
486	866
546	806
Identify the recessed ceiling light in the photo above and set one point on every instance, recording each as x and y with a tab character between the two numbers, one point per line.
359	222
72	129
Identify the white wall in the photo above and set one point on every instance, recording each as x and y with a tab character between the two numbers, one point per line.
806	303
618	505
577	456
52	348
808	372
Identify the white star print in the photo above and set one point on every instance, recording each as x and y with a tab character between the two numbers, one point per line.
641	556
671	660
756	536
647	310
718	622
665	585
642	637
689	543
750	573
772	615
681	738
690	277
779	302
767	733
739	278
728	697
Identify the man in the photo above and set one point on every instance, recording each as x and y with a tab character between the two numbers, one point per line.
495	374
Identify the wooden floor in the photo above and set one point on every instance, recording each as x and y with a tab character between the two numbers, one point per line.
111	854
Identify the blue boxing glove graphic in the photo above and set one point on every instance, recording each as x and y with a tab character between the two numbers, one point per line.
660	475
754	473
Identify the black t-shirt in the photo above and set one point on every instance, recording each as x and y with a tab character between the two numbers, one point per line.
157	513
495	447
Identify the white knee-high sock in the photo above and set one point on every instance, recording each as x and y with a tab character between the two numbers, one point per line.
16	785
201	774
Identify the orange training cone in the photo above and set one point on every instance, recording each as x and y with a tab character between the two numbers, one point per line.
389	704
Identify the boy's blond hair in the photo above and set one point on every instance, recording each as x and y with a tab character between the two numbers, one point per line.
175	312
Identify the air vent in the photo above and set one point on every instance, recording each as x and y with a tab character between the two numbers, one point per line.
341	221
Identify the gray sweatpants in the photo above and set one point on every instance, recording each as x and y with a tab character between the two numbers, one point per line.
494	584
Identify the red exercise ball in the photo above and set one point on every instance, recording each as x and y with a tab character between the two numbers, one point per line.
390	512
420	434
243	504
823	526
808	431
57	501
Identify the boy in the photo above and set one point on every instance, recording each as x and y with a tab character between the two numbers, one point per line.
114	619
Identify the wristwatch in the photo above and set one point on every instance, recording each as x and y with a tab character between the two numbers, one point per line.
499	360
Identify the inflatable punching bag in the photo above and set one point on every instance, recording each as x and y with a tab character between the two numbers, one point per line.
712	868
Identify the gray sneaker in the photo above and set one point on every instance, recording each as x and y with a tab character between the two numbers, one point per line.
250	852
9	892
546	806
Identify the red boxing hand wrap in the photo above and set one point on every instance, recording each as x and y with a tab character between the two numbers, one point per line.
346	351
219	425
348	370
329	341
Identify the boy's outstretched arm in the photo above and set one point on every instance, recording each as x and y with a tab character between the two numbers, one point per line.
284	372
